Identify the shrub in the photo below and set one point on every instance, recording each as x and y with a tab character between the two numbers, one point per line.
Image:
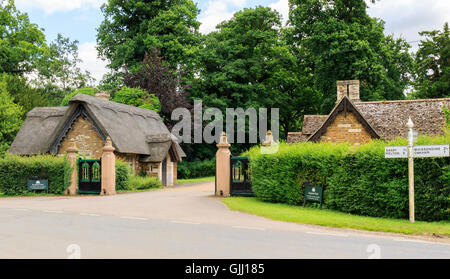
144	182
122	175
196	169
16	170
357	180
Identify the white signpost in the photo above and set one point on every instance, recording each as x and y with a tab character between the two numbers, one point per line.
411	152
419	151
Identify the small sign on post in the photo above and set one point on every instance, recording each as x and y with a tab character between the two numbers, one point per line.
411	152
313	193
37	184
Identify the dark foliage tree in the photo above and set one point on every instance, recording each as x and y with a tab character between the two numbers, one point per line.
156	78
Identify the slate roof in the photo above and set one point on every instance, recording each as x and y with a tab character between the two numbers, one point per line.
131	129
387	118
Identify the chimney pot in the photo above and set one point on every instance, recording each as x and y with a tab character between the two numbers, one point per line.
349	88
102	95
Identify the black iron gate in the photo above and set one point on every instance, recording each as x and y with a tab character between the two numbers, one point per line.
89	176
240	182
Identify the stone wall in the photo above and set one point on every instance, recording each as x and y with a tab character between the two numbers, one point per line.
89	142
346	129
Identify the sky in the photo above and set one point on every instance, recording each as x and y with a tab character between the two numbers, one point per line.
79	19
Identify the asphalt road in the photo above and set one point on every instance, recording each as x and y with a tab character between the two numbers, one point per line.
182	222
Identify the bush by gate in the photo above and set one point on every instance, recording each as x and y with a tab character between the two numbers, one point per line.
356	180
16	170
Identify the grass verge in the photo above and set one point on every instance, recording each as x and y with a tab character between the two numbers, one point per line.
330	218
197	180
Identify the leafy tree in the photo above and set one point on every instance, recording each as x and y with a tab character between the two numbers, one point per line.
10	118
112	82
23	94
138	98
340	41
59	66
21	43
87	91
432	75
131	28
246	63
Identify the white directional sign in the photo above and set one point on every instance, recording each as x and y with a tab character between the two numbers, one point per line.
431	151
396	152
419	151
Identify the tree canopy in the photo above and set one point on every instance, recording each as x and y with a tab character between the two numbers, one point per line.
10	118
340	41
22	43
131	28
432	75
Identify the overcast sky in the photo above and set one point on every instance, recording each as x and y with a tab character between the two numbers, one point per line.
78	19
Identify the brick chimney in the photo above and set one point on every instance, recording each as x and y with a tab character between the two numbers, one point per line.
102	95
349	88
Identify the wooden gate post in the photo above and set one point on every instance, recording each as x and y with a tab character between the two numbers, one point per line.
223	167
72	158
108	169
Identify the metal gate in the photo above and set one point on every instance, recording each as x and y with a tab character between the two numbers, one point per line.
240	182
89	176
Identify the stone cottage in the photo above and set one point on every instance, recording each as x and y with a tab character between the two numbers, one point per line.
138	135
358	122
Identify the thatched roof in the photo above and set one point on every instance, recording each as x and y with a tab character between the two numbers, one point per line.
37	130
387	118
132	130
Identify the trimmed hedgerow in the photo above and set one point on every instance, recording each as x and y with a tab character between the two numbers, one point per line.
144	182
196	169
123	171
16	170
357	180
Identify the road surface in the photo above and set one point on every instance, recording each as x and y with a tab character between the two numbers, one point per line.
181	222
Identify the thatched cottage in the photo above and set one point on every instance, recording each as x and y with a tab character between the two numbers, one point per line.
138	135
358	122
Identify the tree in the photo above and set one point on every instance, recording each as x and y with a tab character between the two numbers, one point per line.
10	118
432	74
23	94
246	63
138	98
59	66
21	43
36	74
340	41
156	78
131	28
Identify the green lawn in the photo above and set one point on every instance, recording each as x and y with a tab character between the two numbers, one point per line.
330	218
197	180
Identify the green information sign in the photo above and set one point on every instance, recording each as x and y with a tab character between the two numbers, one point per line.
313	194
37	184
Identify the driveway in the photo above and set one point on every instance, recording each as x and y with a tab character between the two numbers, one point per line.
181	222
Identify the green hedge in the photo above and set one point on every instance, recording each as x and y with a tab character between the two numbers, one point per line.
123	172
16	170
144	182
196	169
357	180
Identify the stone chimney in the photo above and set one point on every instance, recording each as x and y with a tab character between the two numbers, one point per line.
102	95
349	88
